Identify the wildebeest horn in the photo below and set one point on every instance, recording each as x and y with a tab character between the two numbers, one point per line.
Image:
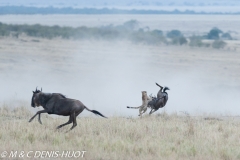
36	89
41	89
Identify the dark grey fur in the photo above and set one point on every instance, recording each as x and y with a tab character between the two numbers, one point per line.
56	103
159	101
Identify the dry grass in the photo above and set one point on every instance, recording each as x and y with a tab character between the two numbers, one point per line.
159	136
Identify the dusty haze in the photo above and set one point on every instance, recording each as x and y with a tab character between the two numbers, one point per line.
187	24
108	76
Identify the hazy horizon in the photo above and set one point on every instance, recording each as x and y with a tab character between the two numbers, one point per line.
182	5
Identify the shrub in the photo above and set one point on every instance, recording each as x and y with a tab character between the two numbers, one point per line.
218	44
126	31
4	31
196	41
179	40
147	37
157	32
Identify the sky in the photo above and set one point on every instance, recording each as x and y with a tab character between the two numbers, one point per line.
126	3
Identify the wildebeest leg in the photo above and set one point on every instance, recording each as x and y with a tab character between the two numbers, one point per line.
152	111
159	85
39	112
74	121
39	118
69	121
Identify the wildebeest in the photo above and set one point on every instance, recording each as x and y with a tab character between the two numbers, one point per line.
159	101
56	103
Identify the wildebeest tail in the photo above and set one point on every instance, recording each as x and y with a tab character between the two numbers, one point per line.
95	112
133	107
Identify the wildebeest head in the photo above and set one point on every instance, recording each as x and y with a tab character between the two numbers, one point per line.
35	98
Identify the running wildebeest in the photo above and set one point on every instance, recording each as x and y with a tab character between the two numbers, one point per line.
159	101
56	103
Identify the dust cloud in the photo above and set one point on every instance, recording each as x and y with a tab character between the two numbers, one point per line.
108	76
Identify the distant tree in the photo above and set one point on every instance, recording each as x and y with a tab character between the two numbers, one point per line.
131	25
157	32
226	36
174	33
219	30
214	33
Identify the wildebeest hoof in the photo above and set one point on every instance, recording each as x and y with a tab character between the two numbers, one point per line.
40	121
58	127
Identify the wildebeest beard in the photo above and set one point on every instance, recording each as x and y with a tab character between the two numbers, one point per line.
33	103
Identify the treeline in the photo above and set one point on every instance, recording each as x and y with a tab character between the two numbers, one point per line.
130	30
70	10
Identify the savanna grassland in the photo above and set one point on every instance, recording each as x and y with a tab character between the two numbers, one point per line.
108	75
161	136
